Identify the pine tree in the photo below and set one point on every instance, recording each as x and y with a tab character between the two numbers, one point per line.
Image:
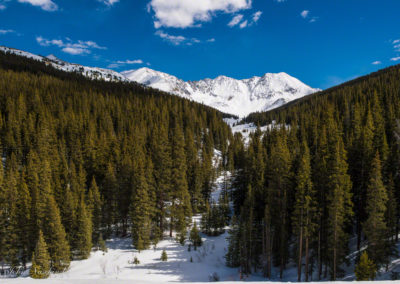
305	211
55	237
162	174
102	244
83	236
25	226
365	269
339	206
40	260
375	228
140	211
233	254
279	167
181	209
94	209
195	237
164	256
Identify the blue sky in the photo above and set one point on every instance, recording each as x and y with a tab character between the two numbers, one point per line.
321	42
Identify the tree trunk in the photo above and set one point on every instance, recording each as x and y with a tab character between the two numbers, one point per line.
319	255
306	267
299	264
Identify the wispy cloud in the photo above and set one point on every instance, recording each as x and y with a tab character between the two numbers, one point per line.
120	63
256	16
176	39
68	46
3	32
2	7
109	2
47	5
235	20
395	58
305	14
211	40
184	14
243	23
376	62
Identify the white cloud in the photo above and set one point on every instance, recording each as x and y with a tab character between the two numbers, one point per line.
136	61
243	24
239	20
120	63
3	32
395	58
256	16
396	41
176	40
280	1
75	50
211	40
313	19
186	13
235	20
2	7
305	13
108	2
70	47
47	5
377	62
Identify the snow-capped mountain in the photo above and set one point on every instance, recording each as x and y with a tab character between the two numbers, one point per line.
238	97
91	72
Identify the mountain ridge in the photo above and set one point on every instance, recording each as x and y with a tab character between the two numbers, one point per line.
238	97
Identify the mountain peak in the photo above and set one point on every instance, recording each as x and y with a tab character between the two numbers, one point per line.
229	95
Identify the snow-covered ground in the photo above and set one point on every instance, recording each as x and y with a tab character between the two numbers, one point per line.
246	128
183	266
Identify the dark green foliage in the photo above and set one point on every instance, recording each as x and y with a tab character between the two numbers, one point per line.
375	227
83	239
102	244
365	269
195	237
164	256
40	260
86	159
55	237
343	128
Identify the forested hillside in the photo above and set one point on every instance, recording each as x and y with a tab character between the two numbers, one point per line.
84	160
327	174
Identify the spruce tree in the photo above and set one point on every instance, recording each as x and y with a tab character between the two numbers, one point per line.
55	237
181	209
305	211
40	260
164	256
375	227
83	235
140	210
195	237
94	209
365	269
339	207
